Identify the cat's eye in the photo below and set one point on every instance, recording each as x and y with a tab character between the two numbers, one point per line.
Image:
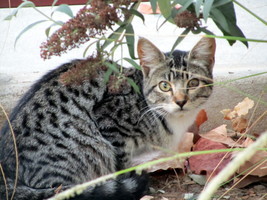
193	83
165	86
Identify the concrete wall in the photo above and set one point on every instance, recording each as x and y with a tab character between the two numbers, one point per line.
21	66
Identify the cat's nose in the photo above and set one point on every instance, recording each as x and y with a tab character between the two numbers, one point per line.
181	103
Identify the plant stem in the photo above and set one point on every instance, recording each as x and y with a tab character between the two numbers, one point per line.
236	38
16	152
250	12
231	168
47	16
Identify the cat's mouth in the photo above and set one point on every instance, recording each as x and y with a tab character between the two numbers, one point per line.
182	110
178	110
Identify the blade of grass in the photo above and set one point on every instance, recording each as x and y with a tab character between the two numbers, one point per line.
236	38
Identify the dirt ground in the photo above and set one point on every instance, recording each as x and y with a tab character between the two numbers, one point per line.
170	186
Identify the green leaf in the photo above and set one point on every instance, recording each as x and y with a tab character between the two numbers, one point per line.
206	9
218	3
114	36
166	9
107	75
22	5
218	17
206	31
86	49
26	29
54	3
130	40
112	66
138	14
153	4
64	8
184	3
133	63
134	85
229	13
47	30
198	4
180	38
114	48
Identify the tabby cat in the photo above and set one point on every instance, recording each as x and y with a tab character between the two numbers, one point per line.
68	134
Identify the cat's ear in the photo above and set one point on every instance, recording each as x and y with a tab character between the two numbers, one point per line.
203	53
150	56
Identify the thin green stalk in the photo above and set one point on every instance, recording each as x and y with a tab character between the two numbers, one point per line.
236	38
250	12
246	94
224	84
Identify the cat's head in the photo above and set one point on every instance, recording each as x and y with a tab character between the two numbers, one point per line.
180	82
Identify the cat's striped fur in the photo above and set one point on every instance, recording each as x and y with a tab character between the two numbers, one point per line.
70	134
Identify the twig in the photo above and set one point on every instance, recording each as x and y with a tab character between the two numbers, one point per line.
231	168
234	185
15	149
4	178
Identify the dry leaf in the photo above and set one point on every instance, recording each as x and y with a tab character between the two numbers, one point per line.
243	107
186	143
147	197
247	142
201	117
219	134
239	110
184	146
259	158
240	124
172	164
228	114
206	163
243	182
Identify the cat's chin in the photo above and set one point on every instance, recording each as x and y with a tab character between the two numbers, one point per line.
178	112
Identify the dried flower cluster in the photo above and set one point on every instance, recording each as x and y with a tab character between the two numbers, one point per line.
83	70
88	70
187	19
88	23
117	84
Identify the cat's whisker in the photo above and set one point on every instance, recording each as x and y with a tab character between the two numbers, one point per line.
150	110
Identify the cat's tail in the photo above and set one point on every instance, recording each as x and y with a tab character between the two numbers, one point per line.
130	186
